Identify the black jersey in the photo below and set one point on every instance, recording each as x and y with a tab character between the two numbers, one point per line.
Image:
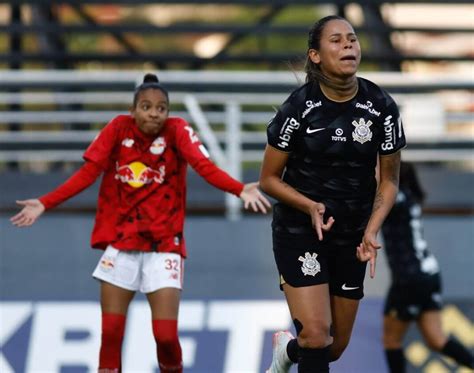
407	251
333	150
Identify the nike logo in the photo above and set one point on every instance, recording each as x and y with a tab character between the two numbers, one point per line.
309	130
344	287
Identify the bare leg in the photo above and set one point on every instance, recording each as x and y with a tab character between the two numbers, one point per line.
394	331
344	311
164	303
114	299
311	307
430	327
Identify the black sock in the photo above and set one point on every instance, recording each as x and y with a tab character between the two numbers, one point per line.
292	350
313	360
395	360
458	352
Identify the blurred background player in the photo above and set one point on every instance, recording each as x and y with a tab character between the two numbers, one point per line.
319	164
140	216
415	291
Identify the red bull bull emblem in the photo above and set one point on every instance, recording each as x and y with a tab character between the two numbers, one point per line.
158	146
136	174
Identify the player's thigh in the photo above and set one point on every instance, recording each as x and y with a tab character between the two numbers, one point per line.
430	326
114	299
164	303
310	311
344	311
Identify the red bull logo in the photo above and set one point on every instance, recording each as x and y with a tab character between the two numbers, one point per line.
136	174
107	264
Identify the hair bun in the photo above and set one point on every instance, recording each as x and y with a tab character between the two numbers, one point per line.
150	78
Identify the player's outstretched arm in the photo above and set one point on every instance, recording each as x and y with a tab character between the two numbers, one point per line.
31	211
254	198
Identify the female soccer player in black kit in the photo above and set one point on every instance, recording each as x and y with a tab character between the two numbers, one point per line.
414	294
323	147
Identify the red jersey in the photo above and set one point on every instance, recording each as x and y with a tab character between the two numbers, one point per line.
142	197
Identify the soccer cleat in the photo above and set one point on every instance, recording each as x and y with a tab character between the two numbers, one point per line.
280	360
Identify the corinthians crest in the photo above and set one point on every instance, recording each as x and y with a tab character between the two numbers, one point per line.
362	132
310	265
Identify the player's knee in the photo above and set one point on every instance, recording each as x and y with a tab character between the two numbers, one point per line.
314	334
165	332
436	344
113	327
164	340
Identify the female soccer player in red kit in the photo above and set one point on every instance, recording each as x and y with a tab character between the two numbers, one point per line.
140	216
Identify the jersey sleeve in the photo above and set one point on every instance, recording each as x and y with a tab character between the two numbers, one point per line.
283	127
80	180
194	152
393	134
101	148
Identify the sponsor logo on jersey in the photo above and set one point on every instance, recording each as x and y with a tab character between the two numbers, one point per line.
290	125
389	130
400	131
310	105
362	132
136	174
128	143
339	137
369	107
158	146
313	130
310	265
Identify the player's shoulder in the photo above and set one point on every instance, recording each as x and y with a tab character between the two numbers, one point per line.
374	91
122	120
296	101
300	94
119	124
175	124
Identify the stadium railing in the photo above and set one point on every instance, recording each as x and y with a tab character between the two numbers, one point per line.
51	116
41	110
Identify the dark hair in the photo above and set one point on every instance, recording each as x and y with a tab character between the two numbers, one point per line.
313	71
149	81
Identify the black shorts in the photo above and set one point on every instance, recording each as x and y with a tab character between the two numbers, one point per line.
409	300
303	260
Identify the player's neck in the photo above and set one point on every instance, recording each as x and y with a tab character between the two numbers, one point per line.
340	94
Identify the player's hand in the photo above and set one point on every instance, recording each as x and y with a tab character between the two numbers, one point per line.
317	219
32	210
254	198
367	251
